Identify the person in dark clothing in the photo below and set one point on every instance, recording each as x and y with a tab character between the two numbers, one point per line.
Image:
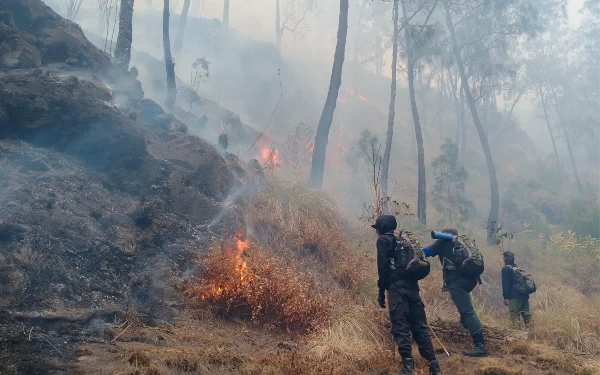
407	311
459	288
518	303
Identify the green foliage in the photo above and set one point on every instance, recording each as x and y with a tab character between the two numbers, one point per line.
449	190
585	218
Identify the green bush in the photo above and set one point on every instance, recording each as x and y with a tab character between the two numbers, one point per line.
585	218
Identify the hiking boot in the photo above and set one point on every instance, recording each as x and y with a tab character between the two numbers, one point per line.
479	350
434	368
408	366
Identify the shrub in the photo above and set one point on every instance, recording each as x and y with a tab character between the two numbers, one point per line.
262	285
295	217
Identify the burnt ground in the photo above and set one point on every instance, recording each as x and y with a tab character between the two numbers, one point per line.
106	203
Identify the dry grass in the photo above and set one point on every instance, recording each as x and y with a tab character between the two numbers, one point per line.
262	285
306	221
355	339
492	366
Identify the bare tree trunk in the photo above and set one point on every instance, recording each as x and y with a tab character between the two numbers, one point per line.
318	158
567	140
385	164
181	27
547	118
440	117
278	26
125	36
226	14
494	193
463	125
170	66
378	62
575	171
421	190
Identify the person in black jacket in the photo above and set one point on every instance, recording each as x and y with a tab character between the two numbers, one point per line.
407	311
459	288
518	303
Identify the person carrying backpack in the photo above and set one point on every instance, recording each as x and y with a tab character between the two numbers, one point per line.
459	285
517	285
399	268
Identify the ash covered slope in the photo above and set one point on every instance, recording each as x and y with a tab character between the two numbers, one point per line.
102	206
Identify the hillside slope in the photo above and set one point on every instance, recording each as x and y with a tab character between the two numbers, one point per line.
106	201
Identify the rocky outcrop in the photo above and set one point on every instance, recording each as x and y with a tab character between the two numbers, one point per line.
32	35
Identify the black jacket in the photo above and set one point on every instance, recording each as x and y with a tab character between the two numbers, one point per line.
385	244
508	279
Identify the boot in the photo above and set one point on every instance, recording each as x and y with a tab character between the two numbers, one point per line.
479	350
408	366
434	368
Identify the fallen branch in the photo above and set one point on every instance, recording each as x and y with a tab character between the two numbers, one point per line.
454	330
122	332
52	345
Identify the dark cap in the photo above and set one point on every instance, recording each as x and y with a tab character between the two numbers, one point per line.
509	255
385	223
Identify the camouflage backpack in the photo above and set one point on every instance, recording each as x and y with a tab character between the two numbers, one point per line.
523	282
407	258
467	258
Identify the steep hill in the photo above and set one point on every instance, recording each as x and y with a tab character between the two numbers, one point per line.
106	201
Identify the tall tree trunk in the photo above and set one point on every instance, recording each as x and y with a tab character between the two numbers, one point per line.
567	139
453	91
547	118
320	149
385	163
463	126
575	171
492	223
181	27
226	14
170	66
421	190
125	37
378	62
440	117
277	26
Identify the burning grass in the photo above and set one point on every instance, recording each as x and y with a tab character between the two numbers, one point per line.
247	281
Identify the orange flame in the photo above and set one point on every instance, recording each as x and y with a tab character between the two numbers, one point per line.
240	267
362	98
241	264
269	155
352	92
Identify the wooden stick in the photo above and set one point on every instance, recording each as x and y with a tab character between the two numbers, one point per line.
122	332
438	340
55	348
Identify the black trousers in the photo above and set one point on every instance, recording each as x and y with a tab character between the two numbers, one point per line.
407	314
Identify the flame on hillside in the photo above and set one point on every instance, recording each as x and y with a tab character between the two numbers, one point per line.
269	155
236	254
349	91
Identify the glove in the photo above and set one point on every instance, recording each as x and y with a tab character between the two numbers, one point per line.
381	298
